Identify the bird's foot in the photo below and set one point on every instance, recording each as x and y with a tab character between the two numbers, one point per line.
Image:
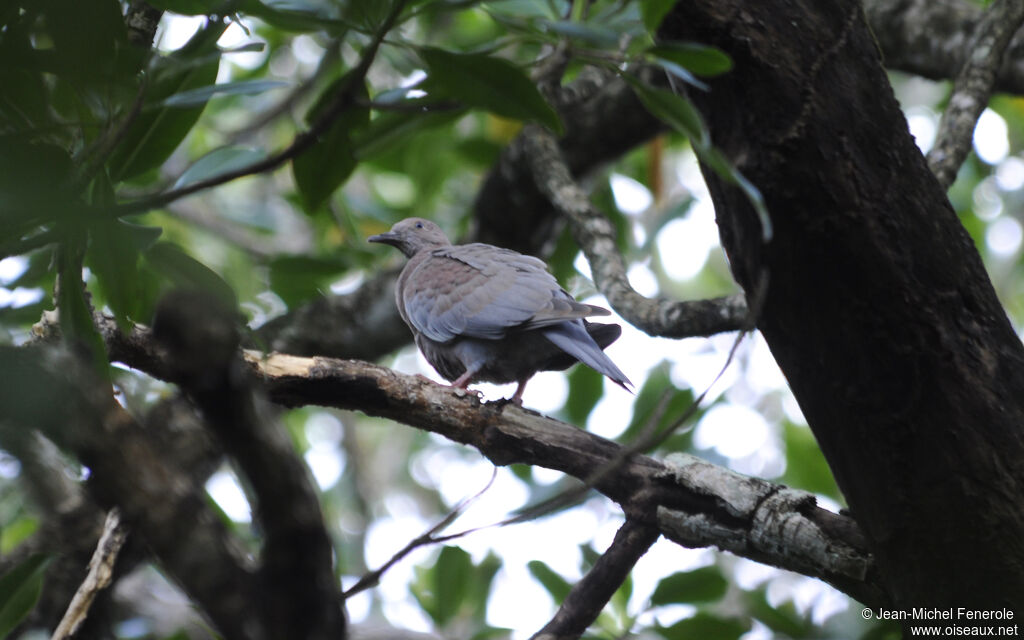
464	391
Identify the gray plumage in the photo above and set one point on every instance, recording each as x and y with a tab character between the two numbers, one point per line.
480	313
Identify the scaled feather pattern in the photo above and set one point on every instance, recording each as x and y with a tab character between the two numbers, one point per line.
480	313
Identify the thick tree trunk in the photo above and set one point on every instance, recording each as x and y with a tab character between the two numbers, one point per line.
878	308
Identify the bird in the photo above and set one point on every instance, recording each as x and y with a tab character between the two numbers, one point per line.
481	313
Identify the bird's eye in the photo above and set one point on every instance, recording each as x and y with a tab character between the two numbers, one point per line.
419	225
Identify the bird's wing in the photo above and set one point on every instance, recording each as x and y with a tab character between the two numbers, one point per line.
481	291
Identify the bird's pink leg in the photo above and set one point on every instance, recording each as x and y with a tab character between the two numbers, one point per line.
517	397
462	382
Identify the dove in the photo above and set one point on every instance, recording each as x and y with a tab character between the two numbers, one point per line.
481	313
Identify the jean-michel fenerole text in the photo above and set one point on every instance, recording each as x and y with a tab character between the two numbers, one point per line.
951	613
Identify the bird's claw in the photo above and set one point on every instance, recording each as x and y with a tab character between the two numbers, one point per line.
462	392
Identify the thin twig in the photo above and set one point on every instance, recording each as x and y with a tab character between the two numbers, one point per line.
411	106
372	578
973	87
596	237
92	157
30	243
330	55
101	572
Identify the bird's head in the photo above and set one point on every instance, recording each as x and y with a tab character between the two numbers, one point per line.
412	235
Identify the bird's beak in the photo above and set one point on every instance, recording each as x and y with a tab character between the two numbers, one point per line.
388	237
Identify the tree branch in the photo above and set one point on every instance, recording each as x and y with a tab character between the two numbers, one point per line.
299	594
507	434
296	236
588	596
142	21
603	120
931	38
159	501
973	87
70	524
596	236
101	573
430	536
363	324
775	520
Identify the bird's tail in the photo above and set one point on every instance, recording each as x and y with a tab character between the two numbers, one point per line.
572	338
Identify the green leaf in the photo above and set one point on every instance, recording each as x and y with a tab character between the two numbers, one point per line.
249	47
654	11
680	114
563	258
524	8
297	15
595	35
33	179
328	163
323	167
674	110
19	590
392	128
620	599
76	323
701	59
333	91
649	399
725	169
219	161
682	73
87	38
491	633
158	131
553	583
700	585
367	14
783	620
170	261
588	557
299	278
806	467
26	100
452	575
704	626
14	533
489	83
114	256
188	7
480	587
200	96
585	391
29	390
422	590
